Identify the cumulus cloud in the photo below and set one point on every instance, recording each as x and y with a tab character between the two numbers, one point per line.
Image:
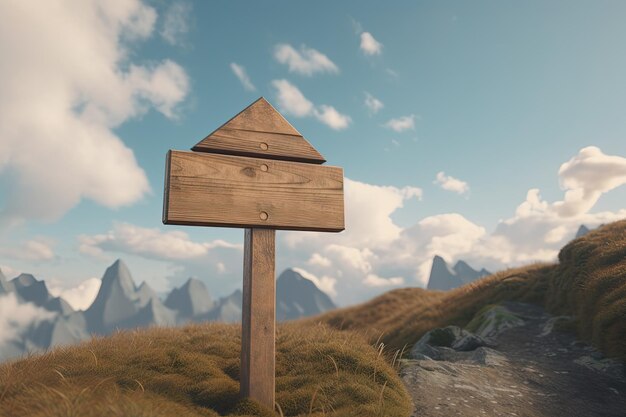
38	249
318	260
240	73
401	124
586	177
292	101
450	183
372	103
149	243
176	22
331	117
369	45
307	61
16	318
81	296
172	253
58	120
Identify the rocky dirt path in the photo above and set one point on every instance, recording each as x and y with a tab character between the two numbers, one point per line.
532	371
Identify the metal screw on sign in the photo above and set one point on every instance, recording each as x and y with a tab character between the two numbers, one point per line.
259	173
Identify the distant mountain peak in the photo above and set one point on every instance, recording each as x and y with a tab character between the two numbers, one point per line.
25	280
117	299
119	272
32	290
582	231
191	299
298	296
442	277
145	293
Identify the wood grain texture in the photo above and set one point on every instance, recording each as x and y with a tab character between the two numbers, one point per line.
258	317
260	131
232	191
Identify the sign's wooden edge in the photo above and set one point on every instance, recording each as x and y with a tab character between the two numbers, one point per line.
253	226
166	187
260	156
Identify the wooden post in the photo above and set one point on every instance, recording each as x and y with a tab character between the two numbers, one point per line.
258	317
256	172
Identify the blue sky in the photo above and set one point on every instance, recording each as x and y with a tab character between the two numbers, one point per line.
494	98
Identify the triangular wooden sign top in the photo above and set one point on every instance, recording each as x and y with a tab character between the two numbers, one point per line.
260	131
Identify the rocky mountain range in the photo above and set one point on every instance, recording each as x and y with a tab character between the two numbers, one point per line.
443	277
121	304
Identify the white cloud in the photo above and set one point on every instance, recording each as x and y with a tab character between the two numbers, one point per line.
401	124
449	183
331	117
307	61
369	45
325	283
240	73
16	317
38	249
57	121
149	243
171	254
586	177
292	101
372	103
81	296
176	22
8	271
392	73
356	252
318	260
373	280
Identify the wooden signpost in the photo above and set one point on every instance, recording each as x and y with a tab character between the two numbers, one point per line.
259	173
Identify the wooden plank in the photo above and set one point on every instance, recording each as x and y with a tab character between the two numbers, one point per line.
258	317
260	144
260	131
232	191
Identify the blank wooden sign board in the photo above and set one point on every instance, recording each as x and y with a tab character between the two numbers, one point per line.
259	173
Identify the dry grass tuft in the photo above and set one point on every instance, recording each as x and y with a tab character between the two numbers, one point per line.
590	283
194	371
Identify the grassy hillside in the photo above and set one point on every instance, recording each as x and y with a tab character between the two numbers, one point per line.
194	371
589	282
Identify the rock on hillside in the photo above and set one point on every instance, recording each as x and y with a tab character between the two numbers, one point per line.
532	367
